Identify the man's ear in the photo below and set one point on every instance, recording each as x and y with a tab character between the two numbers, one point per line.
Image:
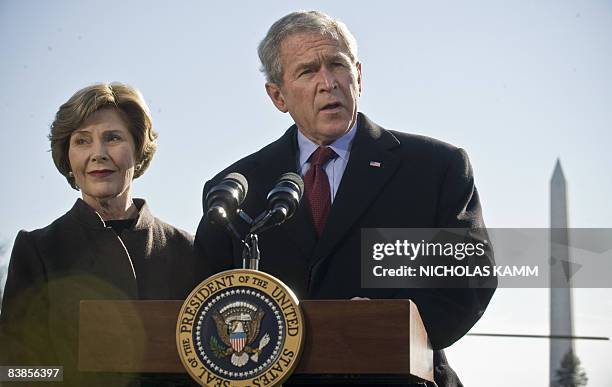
275	94
359	76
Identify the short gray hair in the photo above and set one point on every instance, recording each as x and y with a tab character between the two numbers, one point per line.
295	23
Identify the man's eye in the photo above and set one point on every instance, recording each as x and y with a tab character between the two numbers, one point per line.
305	72
80	141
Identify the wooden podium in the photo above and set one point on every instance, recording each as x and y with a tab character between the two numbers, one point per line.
369	341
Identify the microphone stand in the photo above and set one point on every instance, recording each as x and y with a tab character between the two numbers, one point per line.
265	221
250	250
250	253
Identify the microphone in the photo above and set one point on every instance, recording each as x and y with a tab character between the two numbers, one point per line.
285	197
283	201
224	199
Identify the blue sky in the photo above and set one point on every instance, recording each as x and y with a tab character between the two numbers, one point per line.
517	84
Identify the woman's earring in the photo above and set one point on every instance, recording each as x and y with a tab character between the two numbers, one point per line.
71	175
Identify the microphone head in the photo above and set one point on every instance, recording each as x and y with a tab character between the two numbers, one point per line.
240	179
224	199
295	179
286	194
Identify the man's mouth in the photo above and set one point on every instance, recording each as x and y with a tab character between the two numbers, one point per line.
331	106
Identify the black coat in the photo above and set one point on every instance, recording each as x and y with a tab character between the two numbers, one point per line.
77	258
421	183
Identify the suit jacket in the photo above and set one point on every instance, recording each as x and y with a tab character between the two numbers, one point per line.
77	258
421	183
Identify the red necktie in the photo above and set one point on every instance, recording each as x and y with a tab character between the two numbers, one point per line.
317	188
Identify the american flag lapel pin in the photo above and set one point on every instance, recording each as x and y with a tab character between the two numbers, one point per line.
375	164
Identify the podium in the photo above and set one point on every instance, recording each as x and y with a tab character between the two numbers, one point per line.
347	341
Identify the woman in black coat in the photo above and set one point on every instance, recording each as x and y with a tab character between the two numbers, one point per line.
108	246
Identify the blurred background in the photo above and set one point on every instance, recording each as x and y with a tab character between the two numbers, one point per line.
517	84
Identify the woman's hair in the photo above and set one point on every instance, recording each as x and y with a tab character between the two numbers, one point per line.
87	101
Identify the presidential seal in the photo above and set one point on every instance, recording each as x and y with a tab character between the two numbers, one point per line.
240	328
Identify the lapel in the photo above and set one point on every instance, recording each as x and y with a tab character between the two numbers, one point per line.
276	159
361	183
139	240
108	256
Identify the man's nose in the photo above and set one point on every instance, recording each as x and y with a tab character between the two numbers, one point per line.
328	79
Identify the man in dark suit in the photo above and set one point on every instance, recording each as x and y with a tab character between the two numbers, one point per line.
357	175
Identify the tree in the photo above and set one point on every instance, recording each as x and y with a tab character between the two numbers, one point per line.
571	373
